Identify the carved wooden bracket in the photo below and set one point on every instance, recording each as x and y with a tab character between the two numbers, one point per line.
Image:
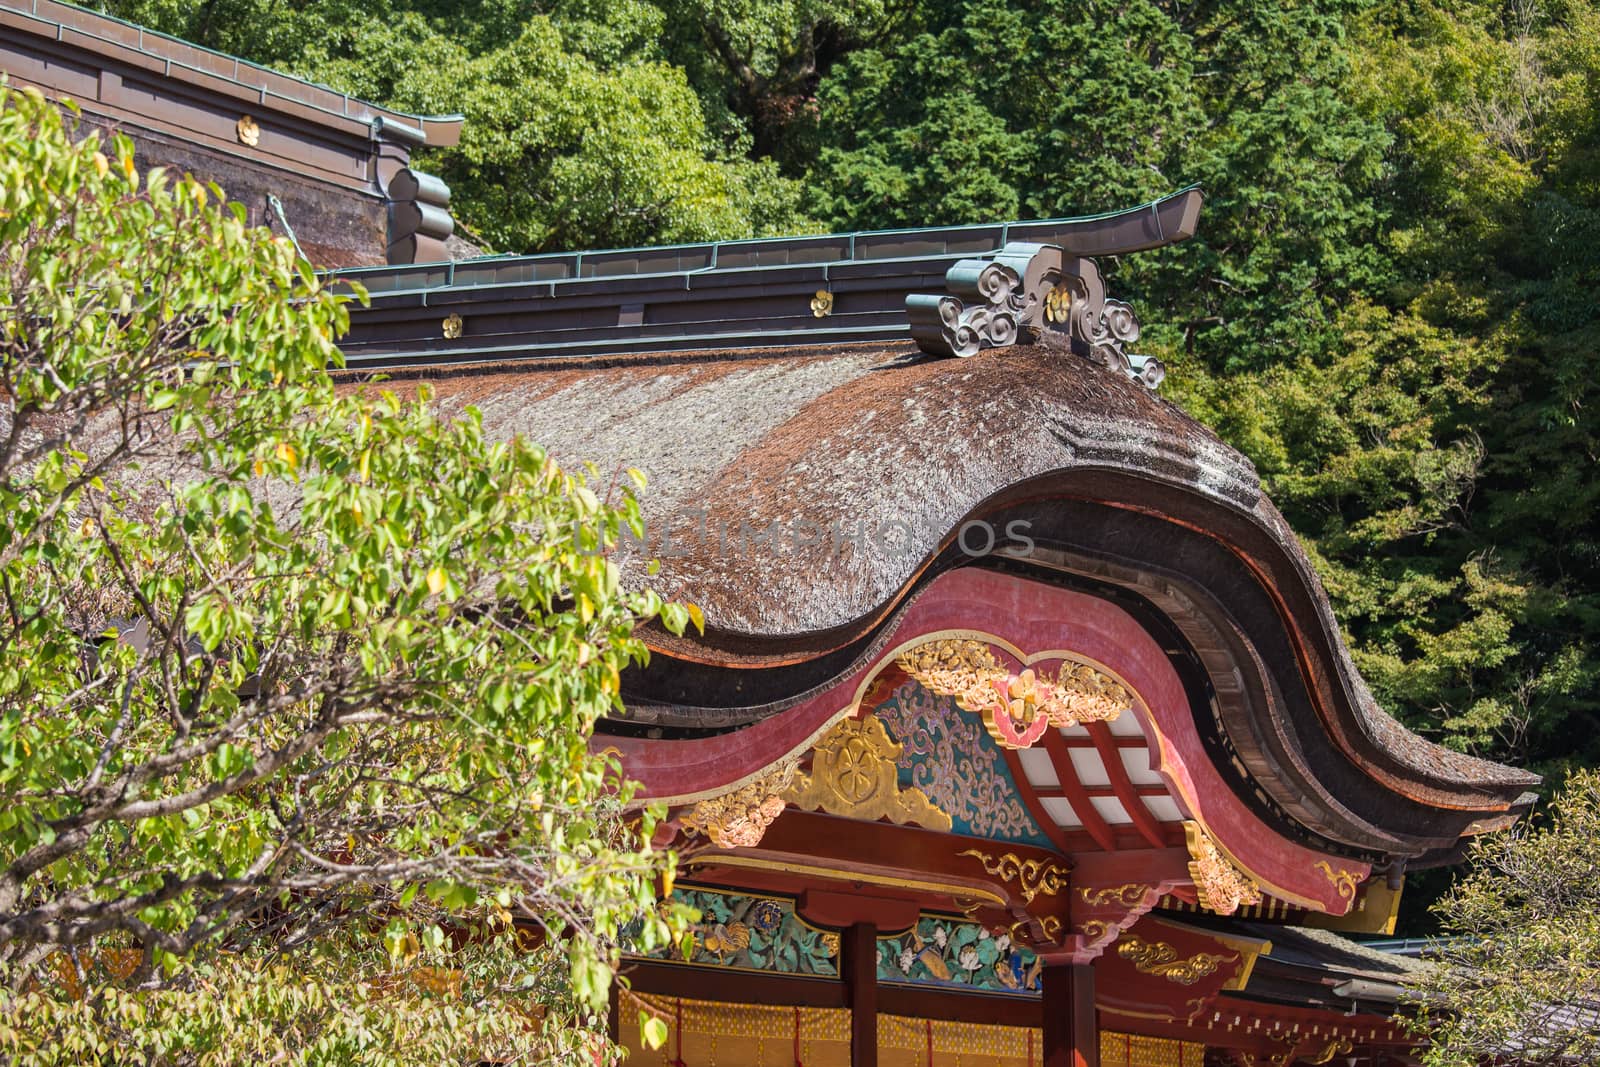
1218	883
1027	288
1100	913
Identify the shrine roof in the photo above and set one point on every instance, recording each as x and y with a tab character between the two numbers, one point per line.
900	449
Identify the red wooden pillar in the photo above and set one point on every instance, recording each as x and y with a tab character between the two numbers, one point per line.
1071	1032
859	948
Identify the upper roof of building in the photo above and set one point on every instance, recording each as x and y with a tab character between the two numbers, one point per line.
215	73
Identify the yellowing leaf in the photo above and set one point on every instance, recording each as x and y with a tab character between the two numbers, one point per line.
287	454
101	166
652	1030
436	579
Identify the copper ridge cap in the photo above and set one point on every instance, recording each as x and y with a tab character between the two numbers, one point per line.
1180	206
112	34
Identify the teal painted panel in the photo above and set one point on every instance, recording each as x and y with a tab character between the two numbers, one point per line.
754	934
948	754
949	952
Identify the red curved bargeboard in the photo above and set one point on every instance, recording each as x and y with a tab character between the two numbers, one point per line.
1034	617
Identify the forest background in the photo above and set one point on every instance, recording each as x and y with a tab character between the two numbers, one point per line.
1390	307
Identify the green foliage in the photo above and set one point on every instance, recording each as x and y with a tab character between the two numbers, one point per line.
298	680
757	65
1519	978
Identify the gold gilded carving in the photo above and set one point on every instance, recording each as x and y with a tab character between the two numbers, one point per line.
1082	694
965	670
822	304
1128	896
723	940
853	773
740	819
1058	305
247	131
1016	708
1220	886
1338	1046
451	326
1344	882
1032	876
1094	929
1048	923
1161	959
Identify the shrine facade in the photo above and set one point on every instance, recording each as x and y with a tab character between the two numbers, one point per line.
1020	731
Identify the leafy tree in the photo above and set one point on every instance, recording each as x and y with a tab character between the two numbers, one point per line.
757	66
297	681
1447	484
1519	979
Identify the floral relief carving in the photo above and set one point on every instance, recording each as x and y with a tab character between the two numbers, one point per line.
740	819
1017	708
943	952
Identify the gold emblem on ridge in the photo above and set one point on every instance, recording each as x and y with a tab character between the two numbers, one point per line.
854	773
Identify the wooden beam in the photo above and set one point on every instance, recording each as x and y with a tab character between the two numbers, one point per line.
731	986
859	956
1103	791
1071	1032
958	1006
